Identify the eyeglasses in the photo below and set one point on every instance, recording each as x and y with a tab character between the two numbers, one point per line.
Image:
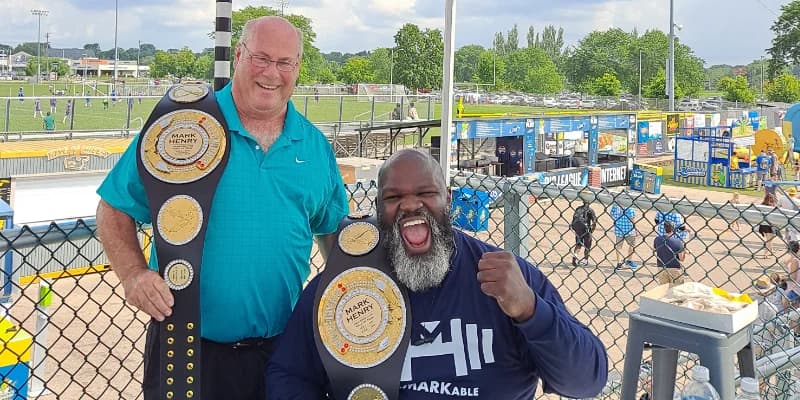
265	62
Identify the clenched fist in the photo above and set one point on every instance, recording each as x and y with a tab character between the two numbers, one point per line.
501	278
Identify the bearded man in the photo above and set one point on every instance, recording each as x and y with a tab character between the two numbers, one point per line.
484	323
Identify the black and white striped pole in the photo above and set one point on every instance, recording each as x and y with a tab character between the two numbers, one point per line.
222	47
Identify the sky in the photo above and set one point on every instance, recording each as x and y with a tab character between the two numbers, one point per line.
720	31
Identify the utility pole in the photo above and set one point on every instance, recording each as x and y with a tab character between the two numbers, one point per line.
282	4
116	49
138	56
640	78
671	72
762	77
39	13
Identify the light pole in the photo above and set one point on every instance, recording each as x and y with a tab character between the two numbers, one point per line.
39	12
762	77
391	71
640	77
83	61
116	50
283	4
138	56
671	72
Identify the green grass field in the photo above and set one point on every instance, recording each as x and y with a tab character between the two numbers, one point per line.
17	115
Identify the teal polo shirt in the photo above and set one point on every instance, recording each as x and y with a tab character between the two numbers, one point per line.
265	211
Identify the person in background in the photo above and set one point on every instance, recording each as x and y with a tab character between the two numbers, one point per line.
670	253
453	280
796	166
788	202
37	108
397	112
625	233
248	288
412	112
67	111
767	231
49	122
763	165
679	231
792	264
584	221
735	200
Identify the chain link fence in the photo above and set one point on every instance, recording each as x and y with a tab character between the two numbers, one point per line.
68	333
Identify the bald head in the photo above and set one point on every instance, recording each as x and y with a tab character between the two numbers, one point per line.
271	24
406	159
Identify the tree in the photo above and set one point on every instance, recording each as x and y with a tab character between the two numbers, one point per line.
755	70
606	85
380	60
93	47
784	88
512	40
491	69
183	63
160	66
552	42
466	63
531	37
49	64
657	87
499	43
617	52
30	48
356	70
716	72
148	50
326	74
599	53
737	89
418	57
785	48
203	67
532	71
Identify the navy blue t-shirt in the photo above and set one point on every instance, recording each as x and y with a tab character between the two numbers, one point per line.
667	249
476	350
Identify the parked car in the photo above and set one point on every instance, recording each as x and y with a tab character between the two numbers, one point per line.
689	105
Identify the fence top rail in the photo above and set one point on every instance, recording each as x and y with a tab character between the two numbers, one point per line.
45	234
753	214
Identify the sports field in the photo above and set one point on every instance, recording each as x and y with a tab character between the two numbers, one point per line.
19	112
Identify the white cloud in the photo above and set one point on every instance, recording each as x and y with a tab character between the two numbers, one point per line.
733	31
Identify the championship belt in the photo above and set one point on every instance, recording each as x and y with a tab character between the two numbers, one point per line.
182	152
362	317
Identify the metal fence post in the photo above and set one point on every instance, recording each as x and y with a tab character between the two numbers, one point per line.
305	107
429	107
341	111
8	117
372	112
515	223
72	115
39	354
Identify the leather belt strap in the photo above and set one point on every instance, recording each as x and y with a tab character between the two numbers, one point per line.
182	152
362	317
